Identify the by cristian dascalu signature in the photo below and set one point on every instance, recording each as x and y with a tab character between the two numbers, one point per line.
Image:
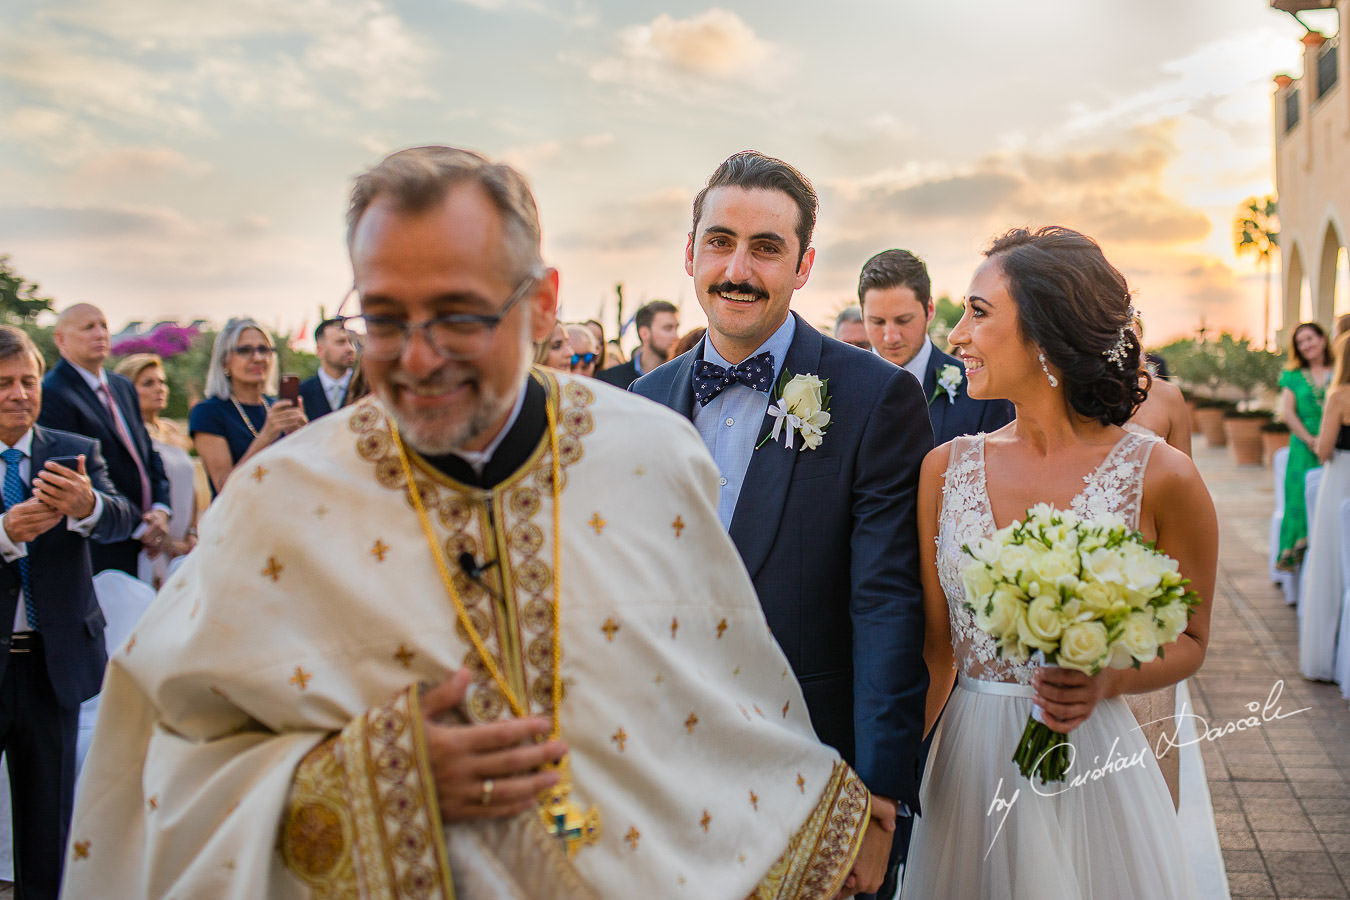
1260	714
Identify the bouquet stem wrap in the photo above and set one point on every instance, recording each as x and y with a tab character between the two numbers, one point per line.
1042	752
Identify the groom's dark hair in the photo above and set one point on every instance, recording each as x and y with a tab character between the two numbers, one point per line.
751	170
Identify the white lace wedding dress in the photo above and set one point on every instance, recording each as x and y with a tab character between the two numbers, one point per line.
987	832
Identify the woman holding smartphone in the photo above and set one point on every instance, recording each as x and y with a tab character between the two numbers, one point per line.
240	416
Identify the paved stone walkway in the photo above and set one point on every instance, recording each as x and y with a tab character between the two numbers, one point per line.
1281	792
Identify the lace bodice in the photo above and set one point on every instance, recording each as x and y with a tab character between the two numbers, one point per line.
1115	486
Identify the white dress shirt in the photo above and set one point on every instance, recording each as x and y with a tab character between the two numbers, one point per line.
335	389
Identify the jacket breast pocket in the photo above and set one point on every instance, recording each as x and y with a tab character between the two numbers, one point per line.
821	467
95	623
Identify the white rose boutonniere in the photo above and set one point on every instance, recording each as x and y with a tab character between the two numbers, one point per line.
800	409
949	379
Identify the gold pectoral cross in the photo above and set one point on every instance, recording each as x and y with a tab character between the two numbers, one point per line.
565	820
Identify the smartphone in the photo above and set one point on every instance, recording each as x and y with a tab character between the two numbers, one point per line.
70	462
290	387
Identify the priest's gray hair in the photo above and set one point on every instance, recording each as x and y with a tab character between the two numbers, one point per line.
217	382
419	178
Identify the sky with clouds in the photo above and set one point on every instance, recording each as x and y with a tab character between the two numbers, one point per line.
171	160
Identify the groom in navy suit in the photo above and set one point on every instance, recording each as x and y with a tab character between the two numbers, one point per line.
827	533
896	296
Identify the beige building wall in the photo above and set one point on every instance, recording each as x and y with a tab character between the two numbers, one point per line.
1312	178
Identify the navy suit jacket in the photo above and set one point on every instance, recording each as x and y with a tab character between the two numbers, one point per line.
316	401
621	376
965	415
830	539
69	617
69	405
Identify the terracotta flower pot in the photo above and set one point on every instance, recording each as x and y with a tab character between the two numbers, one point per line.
1209	421
1244	440
1272	441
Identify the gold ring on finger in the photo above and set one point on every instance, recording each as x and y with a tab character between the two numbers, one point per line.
486	797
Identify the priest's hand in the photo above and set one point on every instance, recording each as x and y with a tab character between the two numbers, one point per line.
485	771
869	867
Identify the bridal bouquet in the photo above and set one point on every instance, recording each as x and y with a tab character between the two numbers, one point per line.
1082	594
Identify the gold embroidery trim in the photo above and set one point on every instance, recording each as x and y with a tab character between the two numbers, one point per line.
363	819
821	853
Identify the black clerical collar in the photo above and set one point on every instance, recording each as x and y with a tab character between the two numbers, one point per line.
521	440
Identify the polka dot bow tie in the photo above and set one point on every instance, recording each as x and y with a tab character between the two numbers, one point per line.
710	379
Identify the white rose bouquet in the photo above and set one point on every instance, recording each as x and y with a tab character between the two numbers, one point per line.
1083	595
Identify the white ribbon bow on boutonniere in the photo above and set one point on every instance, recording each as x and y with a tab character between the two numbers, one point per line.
801	408
949	380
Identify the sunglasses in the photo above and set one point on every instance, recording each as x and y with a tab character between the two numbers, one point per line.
586	358
259	350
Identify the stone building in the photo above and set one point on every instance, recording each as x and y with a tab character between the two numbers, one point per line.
1312	168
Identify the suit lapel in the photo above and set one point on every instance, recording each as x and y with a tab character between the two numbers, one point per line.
94	406
937	408
754	525
39	451
681	395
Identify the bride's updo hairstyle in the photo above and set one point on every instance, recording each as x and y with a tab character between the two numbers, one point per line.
1075	306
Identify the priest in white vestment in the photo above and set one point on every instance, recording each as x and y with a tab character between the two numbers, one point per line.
262	733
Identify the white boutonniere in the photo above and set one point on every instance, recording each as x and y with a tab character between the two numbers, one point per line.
800	408
949	379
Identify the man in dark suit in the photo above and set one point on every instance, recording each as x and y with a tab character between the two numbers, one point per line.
84	399
51	628
828	533
658	329
896	296
328	389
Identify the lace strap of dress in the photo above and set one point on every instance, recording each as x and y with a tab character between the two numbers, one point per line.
962	483
1117	485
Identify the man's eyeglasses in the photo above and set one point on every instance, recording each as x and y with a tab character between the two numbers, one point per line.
254	350
586	358
457	336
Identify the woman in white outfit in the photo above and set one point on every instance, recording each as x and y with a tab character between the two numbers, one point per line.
1320	605
1046	326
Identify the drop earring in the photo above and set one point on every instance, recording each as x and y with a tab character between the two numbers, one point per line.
1054	382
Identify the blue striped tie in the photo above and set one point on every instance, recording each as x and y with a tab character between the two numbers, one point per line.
14	492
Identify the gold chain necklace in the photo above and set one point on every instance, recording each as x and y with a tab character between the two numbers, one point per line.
247	421
561	817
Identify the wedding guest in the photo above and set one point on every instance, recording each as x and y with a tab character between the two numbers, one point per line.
895	294
146	371
1164	412
330	387
848	327
585	351
658	330
1046	325
1303	387
241	414
689	341
598	332
1320	603
614	354
554	351
83	397
1341	327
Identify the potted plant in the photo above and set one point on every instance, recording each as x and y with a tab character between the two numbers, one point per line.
1209	416
1243	430
1274	435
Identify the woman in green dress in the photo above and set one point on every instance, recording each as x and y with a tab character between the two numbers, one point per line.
1303	388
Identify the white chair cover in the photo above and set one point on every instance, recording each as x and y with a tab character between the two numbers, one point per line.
1285	581
1342	668
1312	484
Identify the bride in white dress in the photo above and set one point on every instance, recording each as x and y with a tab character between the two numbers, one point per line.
1044	327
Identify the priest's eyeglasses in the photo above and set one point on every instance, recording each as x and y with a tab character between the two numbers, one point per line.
457	336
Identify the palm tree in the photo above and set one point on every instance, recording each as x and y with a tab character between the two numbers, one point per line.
1256	229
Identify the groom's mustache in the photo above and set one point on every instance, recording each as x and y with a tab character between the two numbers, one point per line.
738	287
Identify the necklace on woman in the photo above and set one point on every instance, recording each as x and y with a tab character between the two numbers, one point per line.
247	421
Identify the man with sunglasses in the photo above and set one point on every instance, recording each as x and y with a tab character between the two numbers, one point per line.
489	597
80	396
